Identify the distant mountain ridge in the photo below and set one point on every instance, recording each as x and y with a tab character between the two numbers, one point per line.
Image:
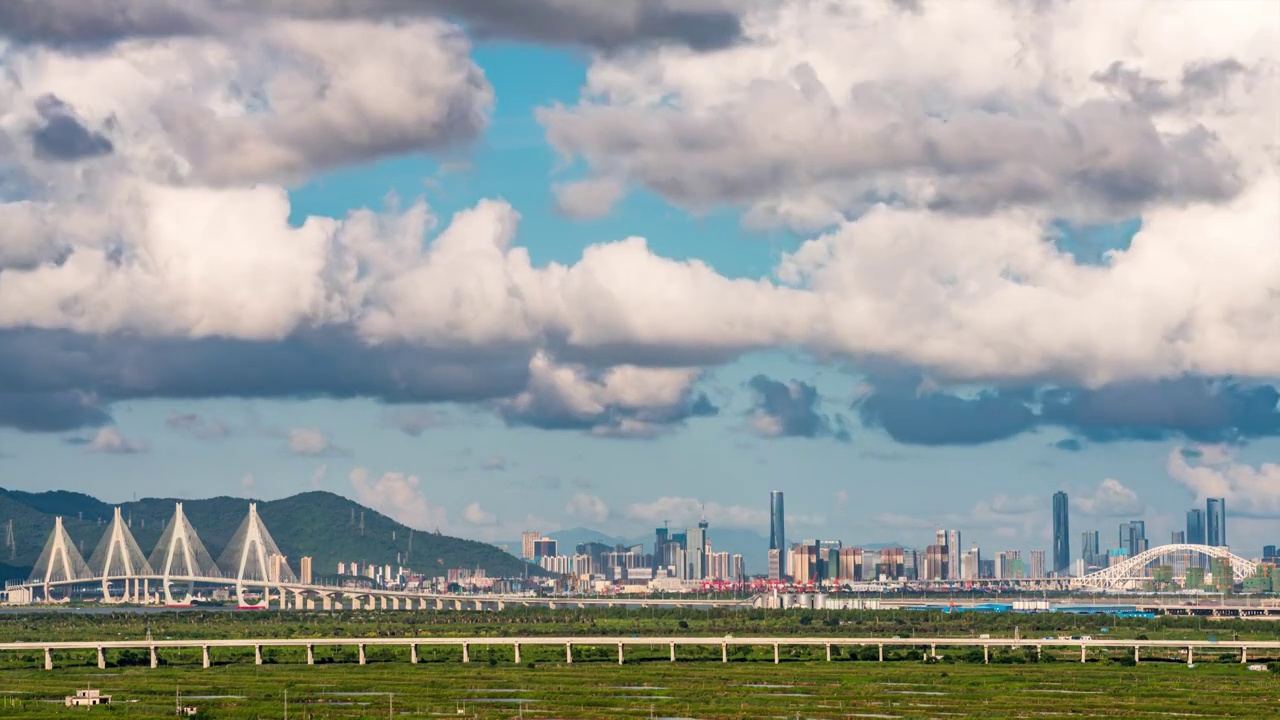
322	525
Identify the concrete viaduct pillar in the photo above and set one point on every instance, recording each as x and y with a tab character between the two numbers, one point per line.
204	656
102	659
413	653
311	654
48	659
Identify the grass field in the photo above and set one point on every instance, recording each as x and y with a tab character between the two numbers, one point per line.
658	689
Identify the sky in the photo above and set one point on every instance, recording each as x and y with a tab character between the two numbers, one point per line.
544	264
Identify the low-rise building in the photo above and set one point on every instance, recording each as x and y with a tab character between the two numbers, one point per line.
87	698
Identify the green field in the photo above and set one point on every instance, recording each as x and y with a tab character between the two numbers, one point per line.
1017	683
660	689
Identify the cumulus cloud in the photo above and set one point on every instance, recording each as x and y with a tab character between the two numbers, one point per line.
587	507
109	440
1212	471
478	516
398	496
784	126
1110	499
588	199
791	410
310	441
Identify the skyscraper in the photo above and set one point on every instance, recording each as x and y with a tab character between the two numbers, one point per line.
1061	539
1195	526
953	555
777	531
1216	522
1133	537
1090	548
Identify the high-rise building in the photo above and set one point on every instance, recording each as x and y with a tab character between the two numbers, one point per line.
1090	549
1061	533
1037	564
544	547
804	563
1216	522
971	564
527	539
737	567
304	571
777	531
953	555
850	564
1178	537
935	562
695	553
1133	537
1195	526
775	564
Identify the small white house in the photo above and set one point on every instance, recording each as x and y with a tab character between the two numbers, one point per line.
87	698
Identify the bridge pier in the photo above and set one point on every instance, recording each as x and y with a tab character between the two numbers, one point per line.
48	659
828	652
1136	658
155	661
882	652
326	602
311	654
466	652
673	652
413	653
724	652
986	654
102	659
517	649
933	651
362	659
1082	655
204	656
1244	655
1190	656
257	654
568	653
619	653
776	658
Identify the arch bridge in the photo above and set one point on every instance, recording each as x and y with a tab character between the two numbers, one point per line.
1132	573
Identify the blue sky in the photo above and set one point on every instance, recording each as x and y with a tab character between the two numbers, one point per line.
942	413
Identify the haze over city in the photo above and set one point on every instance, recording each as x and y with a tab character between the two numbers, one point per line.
917	264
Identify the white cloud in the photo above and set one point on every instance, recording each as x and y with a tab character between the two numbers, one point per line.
587	507
588	199
109	440
248	485
318	477
686	511
493	462
1248	490
478	516
310	441
1111	499
399	497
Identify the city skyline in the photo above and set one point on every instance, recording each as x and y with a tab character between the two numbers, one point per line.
486	273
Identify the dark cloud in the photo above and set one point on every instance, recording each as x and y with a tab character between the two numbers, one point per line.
197	426
62	136
50	411
791	410
96	22
1200	81
1196	409
551	412
47	373
699	24
1069	445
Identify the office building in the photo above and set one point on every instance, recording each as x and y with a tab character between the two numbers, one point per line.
1061	534
1178	537
850	564
1133	537
544	548
737	567
304	570
775	564
971	564
1195	526
1037	564
1090	549
695	552
953	555
777	531
804	563
527	539
1216	522
935	562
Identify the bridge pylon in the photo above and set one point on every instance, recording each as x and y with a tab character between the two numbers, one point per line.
119	557
60	561
180	554
253	558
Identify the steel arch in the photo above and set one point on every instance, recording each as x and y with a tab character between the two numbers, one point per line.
1130	571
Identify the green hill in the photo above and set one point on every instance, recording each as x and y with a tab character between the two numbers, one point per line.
322	525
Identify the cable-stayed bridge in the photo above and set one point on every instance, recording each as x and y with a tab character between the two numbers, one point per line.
251	566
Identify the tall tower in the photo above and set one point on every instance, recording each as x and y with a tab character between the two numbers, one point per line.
777	530
1216	522
1195	526
953	555
1061	533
